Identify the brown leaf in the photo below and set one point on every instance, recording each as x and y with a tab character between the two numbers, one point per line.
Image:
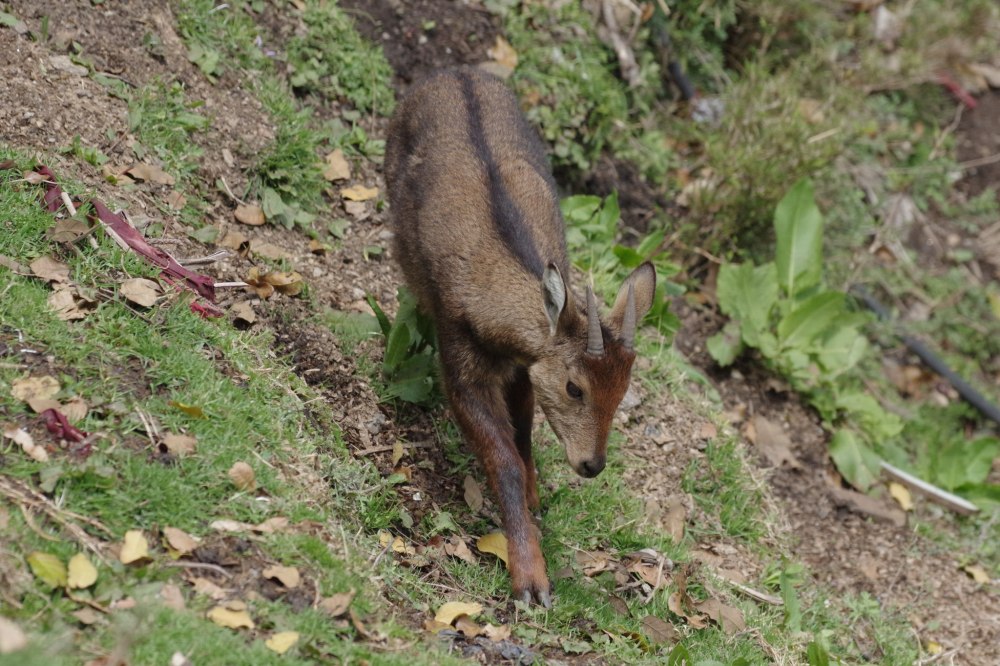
67	230
338	604
728	617
593	563
243	313
772	441
619	604
318	247
289	284
151	173
75	409
707	431
467	626
473	495
87	616
269	251
176	200
233	240
251	215
658	631
287	576
172	597
208	588
13	265
337	167
180	445
495	633
977	572
50	270
861	503
357	209
456	547
359	625
23	438
676	518
63	302
140	291
272	525
179	540
503	53
242	476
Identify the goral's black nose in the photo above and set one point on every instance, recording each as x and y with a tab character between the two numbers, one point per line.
591	468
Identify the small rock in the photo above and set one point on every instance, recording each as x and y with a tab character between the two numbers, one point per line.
631	400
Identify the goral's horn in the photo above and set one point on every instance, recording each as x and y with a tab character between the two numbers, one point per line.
628	320
595	341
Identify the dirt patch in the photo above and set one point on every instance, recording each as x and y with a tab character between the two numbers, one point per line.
419	36
979	143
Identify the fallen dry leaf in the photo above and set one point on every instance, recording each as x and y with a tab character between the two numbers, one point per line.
357	209
176	200
251	215
676	518
140	291
359	626
396	544
269	251
208	588
337	605
67	230
287	576
233	240
12	637
594	562
172	597
65	304
227	616
271	525
707	431
64	63
50	270
337	167
397	452
282	641
861	503
29	388
473	494
23	438
659	631
243	477
977	572
134	548
81	572
773	442
359	193
456	547
87	616
433	626
450	611
151	173
179	541
243	313
467	626
75	409
494	543
901	494
226	525
728	617
48	568
503	53
496	633
180	445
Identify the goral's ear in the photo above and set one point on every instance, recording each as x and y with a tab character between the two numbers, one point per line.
643	284
553	295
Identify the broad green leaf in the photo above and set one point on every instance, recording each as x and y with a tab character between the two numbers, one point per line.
352	324
965	463
383	321
628	257
817	655
841	350
651	243
748	293
793	610
866	411
414	380
726	345
48	568
854	460
609	215
396	347
798	226
810	319
579	208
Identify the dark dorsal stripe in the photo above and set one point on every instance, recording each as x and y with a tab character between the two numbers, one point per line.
506	215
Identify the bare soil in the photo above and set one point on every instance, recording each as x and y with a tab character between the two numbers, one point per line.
44	108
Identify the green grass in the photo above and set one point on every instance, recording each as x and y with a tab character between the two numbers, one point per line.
119	360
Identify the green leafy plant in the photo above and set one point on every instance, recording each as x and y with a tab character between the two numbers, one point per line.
591	230
409	365
807	332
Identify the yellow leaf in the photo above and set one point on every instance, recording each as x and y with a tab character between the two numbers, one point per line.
901	494
48	568
134	548
337	167
933	648
503	53
495	543
450	611
977	572
82	574
359	193
282	641
231	619
397	452
190	410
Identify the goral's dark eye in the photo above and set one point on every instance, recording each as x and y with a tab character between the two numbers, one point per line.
574	391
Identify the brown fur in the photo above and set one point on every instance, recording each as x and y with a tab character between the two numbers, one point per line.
481	242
